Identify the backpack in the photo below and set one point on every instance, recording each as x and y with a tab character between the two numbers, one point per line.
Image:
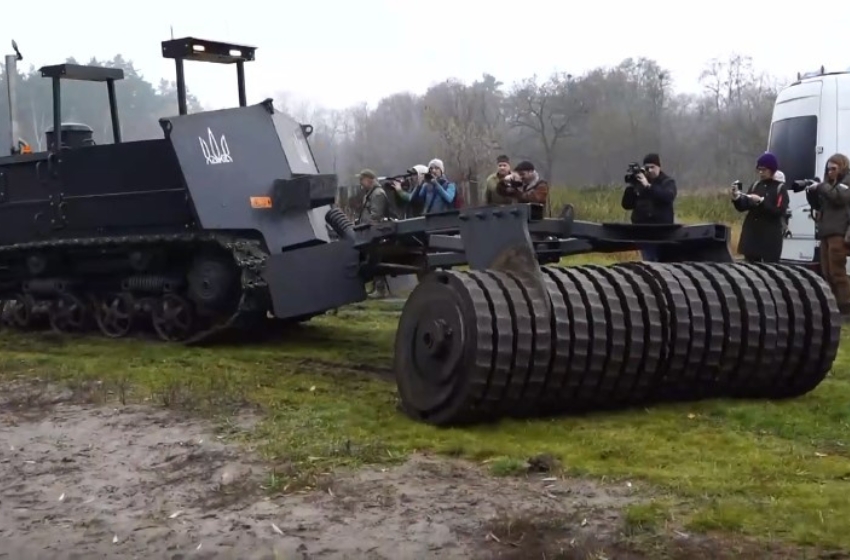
458	202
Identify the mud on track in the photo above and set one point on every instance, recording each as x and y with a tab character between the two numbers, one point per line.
84	481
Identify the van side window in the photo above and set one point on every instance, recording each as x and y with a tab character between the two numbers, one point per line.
794	142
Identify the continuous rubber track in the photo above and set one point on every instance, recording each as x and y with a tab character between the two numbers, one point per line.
480	345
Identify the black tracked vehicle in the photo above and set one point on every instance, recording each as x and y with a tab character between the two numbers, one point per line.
226	223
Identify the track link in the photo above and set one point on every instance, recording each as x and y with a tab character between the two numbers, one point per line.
85	303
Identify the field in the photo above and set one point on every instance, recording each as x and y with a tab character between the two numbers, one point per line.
295	449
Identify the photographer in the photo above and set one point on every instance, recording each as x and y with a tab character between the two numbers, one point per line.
376	205
524	185
766	203
405	189
437	192
649	195
831	200
491	194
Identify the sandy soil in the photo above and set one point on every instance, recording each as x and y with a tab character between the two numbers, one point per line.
85	481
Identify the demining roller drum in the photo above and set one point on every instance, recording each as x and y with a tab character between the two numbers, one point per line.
475	346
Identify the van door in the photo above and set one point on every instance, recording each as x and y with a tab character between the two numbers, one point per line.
794	142
794	139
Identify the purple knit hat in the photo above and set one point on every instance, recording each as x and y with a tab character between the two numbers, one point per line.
768	161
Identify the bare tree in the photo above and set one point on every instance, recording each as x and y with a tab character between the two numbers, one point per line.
550	111
467	121
579	129
736	110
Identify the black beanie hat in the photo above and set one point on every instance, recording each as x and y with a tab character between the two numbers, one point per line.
768	161
503	159
524	166
652	159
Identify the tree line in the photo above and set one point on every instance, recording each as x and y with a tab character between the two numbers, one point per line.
140	104
578	130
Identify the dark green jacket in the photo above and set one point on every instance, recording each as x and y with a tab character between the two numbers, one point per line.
832	202
376	206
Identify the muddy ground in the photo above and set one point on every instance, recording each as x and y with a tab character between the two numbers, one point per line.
83	481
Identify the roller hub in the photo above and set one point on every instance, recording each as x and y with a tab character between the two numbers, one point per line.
437	354
436	337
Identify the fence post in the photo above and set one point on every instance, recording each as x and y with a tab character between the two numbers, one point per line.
474	193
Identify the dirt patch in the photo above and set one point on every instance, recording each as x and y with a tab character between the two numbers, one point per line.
337	368
82	481
86	481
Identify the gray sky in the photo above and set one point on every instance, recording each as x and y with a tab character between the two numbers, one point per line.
337	53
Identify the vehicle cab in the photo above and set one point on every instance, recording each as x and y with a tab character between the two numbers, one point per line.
810	122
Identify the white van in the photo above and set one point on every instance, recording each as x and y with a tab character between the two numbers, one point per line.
811	121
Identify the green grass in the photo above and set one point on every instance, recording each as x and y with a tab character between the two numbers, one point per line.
770	470
602	204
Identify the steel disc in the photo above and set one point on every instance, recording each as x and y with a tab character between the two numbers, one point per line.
435	350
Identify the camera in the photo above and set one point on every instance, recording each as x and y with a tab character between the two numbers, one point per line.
429	177
800	184
405	183
635	169
404	179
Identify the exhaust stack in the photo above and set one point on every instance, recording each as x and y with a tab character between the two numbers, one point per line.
11	77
